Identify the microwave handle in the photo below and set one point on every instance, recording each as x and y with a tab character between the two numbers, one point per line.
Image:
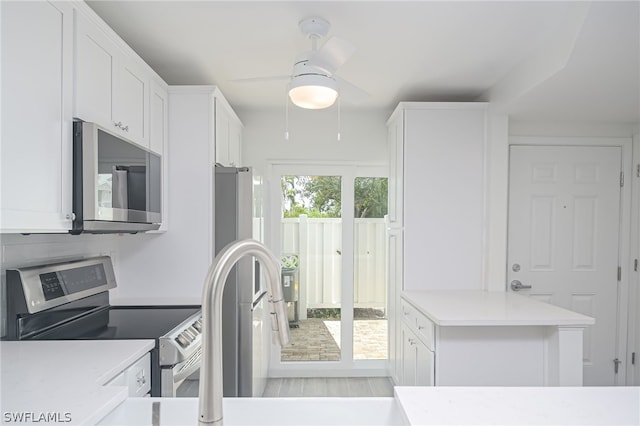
119	184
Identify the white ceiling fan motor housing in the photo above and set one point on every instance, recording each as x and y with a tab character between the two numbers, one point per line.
315	27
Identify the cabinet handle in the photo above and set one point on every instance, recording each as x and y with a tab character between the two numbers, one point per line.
121	126
421	327
141	381
412	342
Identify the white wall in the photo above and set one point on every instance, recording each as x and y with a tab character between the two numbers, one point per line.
313	135
170	267
557	129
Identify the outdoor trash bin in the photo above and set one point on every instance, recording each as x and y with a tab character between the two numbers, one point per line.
290	287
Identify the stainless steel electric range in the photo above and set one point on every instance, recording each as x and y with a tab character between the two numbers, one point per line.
70	301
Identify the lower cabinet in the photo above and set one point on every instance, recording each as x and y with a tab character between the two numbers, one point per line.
136	378
417	360
482	351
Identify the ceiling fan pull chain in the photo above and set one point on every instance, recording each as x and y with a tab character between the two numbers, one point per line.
339	122
286	118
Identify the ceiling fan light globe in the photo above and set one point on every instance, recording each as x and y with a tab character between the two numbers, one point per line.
313	91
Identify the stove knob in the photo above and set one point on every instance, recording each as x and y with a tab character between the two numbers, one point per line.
182	341
197	325
190	335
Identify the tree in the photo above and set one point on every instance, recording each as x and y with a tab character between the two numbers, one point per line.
321	196
370	198
325	193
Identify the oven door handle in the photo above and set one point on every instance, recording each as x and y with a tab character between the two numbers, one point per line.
188	367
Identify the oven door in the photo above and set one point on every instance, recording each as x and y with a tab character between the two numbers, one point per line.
183	375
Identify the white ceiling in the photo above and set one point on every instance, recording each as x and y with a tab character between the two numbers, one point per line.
551	61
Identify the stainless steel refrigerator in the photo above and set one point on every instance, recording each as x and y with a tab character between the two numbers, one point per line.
245	335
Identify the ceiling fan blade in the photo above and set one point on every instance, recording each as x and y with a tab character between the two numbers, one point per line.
261	79
349	92
332	55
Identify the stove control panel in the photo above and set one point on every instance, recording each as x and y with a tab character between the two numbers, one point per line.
186	337
39	288
182	341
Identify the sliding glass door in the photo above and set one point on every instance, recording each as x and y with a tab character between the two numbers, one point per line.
328	224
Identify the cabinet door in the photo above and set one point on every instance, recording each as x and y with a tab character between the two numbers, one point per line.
35	172
96	65
418	367
158	116
444	198
158	139
425	366
394	282
409	342
223	121
131	100
112	89
395	150
235	141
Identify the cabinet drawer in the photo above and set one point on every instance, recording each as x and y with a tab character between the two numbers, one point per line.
425	331
408	314
139	377
423	327
136	378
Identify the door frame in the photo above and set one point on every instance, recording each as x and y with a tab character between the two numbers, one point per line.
624	330
349	170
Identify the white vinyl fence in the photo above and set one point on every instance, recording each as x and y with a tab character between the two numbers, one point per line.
318	244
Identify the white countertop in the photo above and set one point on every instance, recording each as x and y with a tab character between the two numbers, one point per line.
425	406
261	412
64	379
585	406
484	308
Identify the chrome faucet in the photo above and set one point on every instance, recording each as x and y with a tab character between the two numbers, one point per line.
210	404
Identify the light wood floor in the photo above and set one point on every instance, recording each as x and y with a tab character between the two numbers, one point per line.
312	386
329	386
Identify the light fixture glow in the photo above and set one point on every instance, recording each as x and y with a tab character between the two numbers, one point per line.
313	91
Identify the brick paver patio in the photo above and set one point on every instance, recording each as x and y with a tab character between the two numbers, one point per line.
319	340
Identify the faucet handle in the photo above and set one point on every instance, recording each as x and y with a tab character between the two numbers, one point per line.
279	320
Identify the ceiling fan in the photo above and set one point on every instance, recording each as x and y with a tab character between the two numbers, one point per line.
313	83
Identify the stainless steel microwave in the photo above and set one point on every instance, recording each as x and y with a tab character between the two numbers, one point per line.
117	184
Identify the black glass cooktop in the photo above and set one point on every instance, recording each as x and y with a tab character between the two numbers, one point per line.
122	322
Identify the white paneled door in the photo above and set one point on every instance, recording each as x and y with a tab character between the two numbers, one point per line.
564	231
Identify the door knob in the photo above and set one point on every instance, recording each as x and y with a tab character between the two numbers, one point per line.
517	286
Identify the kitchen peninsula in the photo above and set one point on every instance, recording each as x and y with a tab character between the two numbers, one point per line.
82	378
72	382
480	338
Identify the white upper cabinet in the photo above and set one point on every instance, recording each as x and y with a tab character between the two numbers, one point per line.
111	87
95	73
228	138
131	103
158	138
60	62
395	150
158	117
37	57
437	191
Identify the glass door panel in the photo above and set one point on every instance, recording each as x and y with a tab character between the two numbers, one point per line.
311	247
369	281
